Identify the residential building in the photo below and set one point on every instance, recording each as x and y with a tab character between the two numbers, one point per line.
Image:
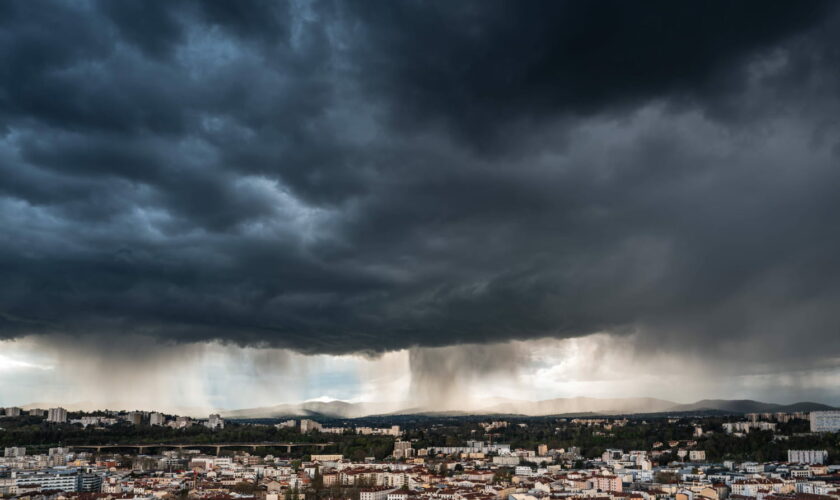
402	449
15	451
523	470
807	456
215	422
509	460
380	493
307	425
89	483
825	421
607	482
50	479
57	415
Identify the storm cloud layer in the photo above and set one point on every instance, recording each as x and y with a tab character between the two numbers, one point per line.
336	177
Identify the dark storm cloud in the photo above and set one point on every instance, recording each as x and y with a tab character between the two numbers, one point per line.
481	67
336	177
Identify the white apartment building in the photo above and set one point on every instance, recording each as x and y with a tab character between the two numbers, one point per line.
307	425
15	451
401	495
215	422
507	460
402	449
13	411
825	421
57	415
733	427
523	470
473	447
157	418
375	493
53	479
807	456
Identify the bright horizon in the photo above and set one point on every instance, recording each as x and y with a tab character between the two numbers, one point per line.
218	376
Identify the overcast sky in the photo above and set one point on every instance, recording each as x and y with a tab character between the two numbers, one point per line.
382	200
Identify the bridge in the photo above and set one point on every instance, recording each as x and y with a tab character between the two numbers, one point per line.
141	448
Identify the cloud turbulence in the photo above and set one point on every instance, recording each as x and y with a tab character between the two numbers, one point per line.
339	177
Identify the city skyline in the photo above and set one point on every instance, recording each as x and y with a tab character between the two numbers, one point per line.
224	205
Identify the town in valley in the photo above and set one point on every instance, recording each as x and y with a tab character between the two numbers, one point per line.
53	454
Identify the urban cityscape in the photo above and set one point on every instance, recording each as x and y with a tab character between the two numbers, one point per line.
141	454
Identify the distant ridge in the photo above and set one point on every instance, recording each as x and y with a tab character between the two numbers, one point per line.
748	406
579	406
556	406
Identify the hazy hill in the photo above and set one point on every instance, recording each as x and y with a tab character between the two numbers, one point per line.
748	406
494	406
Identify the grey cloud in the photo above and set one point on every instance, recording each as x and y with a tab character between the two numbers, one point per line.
352	177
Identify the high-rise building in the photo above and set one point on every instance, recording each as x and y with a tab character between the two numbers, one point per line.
157	418
825	421
37	412
542	450
135	417
58	415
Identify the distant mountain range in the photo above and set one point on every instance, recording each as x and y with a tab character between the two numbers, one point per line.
495	406
557	406
748	406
